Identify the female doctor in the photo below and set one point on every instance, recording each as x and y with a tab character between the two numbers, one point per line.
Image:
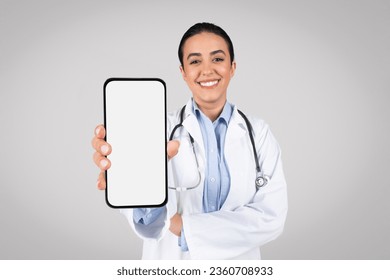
228	215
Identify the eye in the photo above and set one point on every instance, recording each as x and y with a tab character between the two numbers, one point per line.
218	59
195	61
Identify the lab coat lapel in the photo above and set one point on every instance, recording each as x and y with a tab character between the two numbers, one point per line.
238	159
192	200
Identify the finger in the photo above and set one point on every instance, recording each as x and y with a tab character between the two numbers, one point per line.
172	148
100	131
101	161
101	146
176	224
101	183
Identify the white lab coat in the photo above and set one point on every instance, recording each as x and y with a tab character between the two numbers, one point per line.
247	220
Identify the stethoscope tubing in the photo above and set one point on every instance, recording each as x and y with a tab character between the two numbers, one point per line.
261	179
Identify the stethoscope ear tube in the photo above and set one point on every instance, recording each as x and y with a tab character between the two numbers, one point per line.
261	179
179	124
250	129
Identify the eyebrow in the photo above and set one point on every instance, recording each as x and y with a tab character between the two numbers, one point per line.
217	51
211	53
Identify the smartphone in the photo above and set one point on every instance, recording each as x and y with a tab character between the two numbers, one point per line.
135	123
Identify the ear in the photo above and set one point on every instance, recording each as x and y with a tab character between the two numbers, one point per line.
233	69
183	73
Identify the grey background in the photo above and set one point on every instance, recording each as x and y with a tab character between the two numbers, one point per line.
316	71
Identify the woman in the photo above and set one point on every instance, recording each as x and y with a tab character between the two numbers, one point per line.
226	216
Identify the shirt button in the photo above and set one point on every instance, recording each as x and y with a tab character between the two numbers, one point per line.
212	179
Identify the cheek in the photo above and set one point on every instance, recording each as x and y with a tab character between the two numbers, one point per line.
224	71
191	77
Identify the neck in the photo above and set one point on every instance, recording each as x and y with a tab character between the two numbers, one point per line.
212	111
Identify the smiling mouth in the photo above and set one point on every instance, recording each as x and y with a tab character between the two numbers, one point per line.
208	84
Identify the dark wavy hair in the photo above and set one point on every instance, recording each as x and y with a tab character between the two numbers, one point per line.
205	27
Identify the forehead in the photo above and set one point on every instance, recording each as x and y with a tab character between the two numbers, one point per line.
205	43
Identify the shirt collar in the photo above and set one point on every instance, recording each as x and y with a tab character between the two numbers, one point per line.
225	114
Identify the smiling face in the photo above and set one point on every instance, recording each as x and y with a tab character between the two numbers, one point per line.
207	70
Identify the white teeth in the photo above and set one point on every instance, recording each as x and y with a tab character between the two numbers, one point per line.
208	84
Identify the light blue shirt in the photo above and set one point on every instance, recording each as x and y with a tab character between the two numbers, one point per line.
217	178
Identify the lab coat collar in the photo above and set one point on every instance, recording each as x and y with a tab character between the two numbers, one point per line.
191	124
237	127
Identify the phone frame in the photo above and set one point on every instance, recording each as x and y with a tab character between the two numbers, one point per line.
164	137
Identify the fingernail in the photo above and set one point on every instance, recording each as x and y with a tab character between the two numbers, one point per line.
97	130
103	163
104	149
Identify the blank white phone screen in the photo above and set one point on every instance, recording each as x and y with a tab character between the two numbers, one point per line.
135	122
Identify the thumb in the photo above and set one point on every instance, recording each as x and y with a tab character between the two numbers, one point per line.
172	148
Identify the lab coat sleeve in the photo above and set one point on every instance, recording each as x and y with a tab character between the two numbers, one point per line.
156	229
160	226
227	234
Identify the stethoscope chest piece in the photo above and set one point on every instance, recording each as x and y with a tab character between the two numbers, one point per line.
261	181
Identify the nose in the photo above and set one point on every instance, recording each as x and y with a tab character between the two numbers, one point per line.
207	69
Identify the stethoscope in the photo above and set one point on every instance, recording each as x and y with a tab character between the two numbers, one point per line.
261	179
